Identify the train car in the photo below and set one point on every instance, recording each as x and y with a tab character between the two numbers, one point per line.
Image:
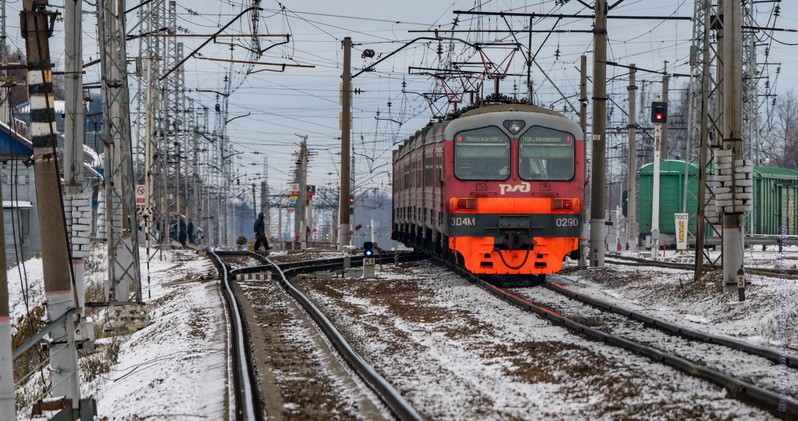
775	197
498	188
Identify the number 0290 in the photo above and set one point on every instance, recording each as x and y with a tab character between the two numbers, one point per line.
566	222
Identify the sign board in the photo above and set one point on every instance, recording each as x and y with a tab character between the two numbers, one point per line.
141	195
681	230
294	187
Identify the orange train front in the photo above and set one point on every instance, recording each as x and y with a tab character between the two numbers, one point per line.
499	188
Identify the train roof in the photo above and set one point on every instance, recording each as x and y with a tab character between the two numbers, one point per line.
669	166
492	108
776	172
676	166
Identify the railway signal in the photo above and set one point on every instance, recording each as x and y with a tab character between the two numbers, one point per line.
368	249
625	203
659	112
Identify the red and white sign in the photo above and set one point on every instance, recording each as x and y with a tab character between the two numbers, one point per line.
141	195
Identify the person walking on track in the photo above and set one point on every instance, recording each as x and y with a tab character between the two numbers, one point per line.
260	233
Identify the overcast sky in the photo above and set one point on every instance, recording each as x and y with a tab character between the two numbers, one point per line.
305	101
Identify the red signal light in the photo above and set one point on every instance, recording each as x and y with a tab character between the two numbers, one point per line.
659	112
562	204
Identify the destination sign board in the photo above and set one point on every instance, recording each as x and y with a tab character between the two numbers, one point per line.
547	138
485	135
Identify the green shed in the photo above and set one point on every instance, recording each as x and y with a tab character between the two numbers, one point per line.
775	194
671	186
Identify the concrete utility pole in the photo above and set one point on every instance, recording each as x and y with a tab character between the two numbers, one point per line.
737	174
75	122
664	144
346	124
598	199
655	191
584	246
631	169
123	250
265	205
55	252
77	202
300	214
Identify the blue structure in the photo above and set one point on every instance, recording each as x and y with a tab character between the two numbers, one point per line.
20	213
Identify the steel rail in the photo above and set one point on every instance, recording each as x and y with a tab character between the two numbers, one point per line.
246	392
742	391
387	393
791	360
333	263
788	273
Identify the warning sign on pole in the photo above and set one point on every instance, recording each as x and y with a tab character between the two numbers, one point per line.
681	230
141	195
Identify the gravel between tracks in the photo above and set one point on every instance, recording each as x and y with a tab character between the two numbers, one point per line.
300	378
456	352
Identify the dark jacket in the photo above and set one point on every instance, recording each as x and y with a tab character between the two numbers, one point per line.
260	228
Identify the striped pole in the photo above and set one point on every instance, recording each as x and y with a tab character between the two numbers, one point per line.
55	248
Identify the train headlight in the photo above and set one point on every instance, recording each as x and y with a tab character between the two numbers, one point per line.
467	204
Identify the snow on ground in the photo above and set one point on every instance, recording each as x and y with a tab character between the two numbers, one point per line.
176	367
705	305
457	352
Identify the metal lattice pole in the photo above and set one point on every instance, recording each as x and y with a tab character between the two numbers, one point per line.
703	124
750	97
149	106
123	252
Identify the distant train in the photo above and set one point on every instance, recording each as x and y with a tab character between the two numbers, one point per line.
498	188
775	194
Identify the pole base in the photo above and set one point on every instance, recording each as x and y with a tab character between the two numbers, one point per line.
124	318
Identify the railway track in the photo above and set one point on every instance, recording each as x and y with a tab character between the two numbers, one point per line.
282	272
244	386
776	402
635	261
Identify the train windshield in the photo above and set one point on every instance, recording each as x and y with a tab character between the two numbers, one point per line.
482	154
546	154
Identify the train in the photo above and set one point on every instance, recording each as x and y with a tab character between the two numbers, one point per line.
497	188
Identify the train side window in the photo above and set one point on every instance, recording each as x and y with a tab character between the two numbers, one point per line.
482	154
546	154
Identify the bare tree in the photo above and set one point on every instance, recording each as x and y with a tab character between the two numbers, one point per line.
780	144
